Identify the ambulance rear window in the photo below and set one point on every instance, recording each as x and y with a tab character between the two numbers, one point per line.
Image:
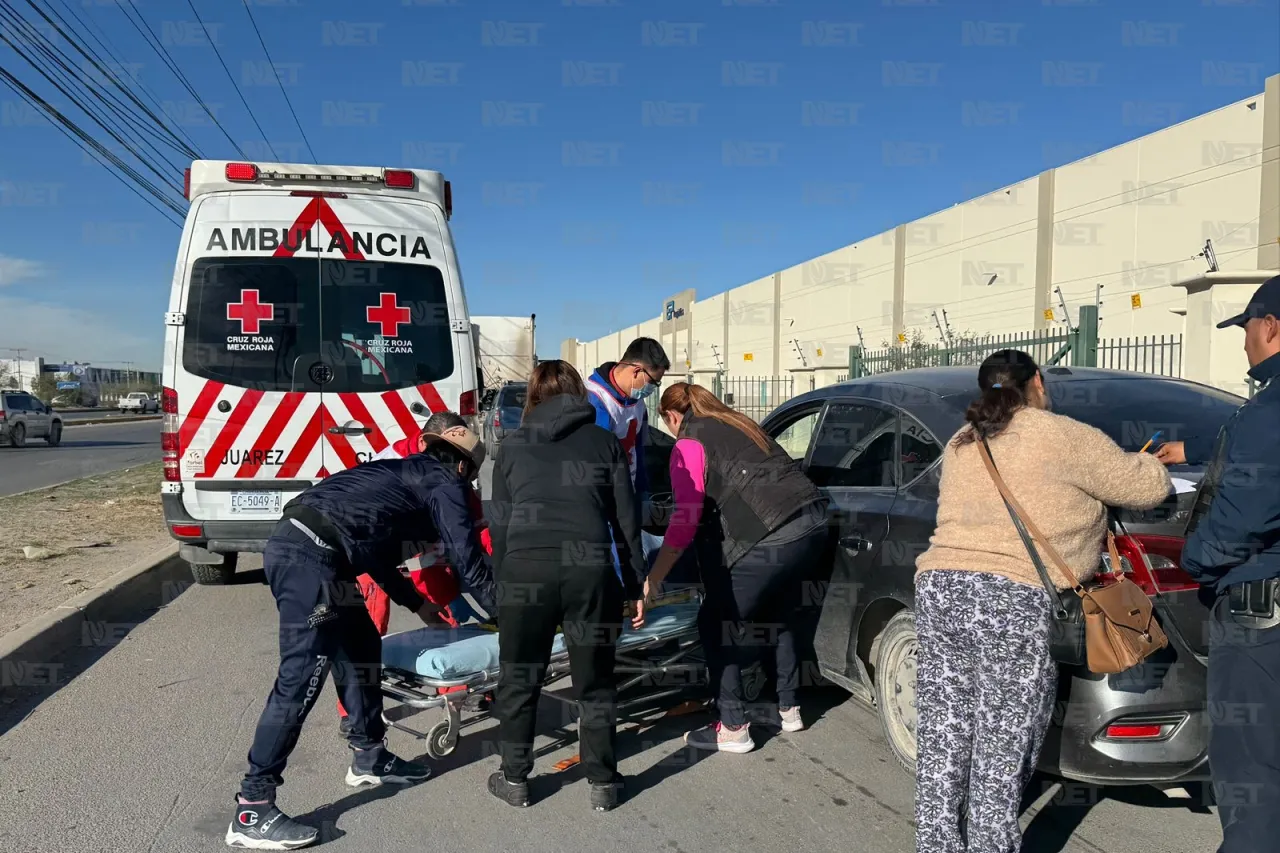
290	324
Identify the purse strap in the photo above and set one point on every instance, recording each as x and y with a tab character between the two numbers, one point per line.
1023	523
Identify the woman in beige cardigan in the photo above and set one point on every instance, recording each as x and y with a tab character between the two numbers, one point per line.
985	680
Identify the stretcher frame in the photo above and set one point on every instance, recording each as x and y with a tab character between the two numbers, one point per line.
677	655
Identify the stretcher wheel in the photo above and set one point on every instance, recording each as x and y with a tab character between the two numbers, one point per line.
754	680
442	738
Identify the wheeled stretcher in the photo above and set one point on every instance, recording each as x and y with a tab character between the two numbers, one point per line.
659	660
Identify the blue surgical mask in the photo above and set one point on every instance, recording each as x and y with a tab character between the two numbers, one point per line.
643	391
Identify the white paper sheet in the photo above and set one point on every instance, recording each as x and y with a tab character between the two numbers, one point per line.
1181	486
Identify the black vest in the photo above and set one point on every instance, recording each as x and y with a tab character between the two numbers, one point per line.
750	493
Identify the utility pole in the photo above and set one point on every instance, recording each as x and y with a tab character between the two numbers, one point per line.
19	351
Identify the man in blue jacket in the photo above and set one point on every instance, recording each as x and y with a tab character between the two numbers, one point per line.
618	390
1233	550
366	519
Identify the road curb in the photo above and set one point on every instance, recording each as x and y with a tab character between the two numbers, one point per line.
126	419
98	616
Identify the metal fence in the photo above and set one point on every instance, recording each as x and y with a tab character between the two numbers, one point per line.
1161	355
1046	347
757	396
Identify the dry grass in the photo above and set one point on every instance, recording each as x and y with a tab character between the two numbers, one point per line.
92	528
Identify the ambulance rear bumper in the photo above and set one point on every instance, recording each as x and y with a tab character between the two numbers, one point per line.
220	537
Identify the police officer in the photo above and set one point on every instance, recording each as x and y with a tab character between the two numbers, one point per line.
364	519
1233	550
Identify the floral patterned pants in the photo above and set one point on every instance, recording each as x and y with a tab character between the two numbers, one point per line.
985	689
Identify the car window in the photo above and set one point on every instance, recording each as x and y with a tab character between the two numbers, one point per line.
854	447
919	449
257	322
796	436
18	403
1131	411
514	397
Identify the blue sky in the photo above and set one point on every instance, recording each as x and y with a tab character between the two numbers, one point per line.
696	144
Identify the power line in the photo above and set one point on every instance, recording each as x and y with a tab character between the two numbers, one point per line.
234	84
179	144
144	30
105	124
77	135
129	123
306	141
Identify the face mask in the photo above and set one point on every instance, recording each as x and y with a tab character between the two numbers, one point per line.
643	391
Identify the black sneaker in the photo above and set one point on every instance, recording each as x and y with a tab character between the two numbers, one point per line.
265	827
604	795
512	793
344	727
379	766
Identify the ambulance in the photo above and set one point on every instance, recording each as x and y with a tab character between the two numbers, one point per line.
316	316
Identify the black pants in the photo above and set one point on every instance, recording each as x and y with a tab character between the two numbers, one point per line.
536	594
748	613
300	572
1244	740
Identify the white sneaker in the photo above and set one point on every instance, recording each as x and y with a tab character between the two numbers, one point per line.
791	721
721	738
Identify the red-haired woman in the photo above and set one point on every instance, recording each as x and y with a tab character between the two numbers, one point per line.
736	490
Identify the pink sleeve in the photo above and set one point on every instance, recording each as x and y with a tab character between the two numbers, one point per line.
688	486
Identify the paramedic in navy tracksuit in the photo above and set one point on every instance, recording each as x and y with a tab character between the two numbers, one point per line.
1233	550
365	519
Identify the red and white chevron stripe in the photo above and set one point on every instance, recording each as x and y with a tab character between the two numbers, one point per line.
285	435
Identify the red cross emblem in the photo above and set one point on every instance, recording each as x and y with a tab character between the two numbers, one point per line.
250	312
388	314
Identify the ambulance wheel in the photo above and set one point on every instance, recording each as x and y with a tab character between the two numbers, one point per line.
18	436
441	740
215	574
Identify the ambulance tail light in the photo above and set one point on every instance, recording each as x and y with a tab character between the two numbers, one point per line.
242	172
467	403
169	450
186	184
448	200
400	179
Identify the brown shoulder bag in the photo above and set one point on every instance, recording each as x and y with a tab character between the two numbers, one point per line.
1109	628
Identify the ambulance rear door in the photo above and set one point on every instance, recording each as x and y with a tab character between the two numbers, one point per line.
250	361
394	328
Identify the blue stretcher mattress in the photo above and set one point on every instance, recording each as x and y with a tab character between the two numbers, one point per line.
452	654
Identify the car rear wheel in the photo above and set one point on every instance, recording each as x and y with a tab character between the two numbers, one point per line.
215	574
54	438
18	435
896	687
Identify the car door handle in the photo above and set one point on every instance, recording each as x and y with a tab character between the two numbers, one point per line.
349	430
855	543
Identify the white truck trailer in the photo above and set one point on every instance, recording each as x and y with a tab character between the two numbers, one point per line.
505	349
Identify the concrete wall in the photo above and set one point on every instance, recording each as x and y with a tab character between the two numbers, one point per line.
1133	219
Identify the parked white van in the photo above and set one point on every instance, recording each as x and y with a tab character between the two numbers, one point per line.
316	316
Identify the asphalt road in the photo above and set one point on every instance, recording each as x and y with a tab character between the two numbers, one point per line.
85	451
143	752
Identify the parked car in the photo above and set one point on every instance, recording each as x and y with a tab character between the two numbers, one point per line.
139	402
505	412
24	416
875	444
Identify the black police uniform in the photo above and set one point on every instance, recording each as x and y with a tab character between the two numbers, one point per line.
367	519
1233	549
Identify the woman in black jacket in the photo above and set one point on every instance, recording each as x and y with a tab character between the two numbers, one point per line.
561	486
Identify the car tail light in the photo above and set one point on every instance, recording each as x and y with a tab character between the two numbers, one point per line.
497	418
467	403
169	449
188	531
400	179
1143	727
1152	562
242	172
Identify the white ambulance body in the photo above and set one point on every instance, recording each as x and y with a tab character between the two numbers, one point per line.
316	317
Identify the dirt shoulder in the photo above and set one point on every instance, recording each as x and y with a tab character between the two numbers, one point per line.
86	530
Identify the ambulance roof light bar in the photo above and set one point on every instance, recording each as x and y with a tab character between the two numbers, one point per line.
401	179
